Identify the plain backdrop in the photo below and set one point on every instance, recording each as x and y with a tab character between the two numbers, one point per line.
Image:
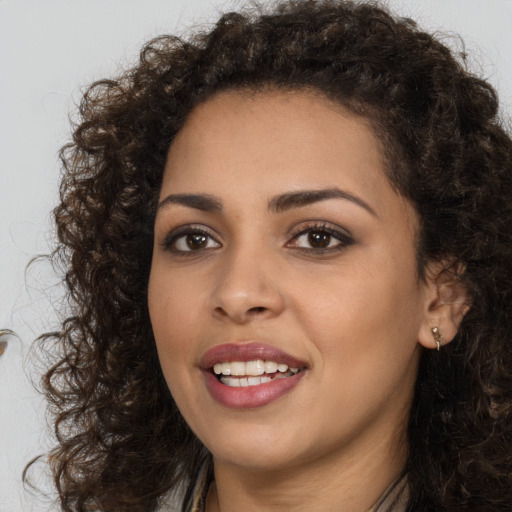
50	50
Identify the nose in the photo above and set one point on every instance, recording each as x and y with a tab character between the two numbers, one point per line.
246	288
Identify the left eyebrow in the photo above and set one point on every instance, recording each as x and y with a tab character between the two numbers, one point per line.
306	197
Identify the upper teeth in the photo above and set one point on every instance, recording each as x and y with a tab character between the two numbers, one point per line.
254	368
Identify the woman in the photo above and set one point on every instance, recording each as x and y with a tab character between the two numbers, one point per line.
287	244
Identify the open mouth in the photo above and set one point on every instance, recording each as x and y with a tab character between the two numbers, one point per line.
251	373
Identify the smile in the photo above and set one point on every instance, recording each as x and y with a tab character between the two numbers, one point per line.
251	373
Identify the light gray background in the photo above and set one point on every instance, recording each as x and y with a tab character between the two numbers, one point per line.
50	50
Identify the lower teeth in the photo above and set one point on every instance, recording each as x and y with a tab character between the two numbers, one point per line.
243	382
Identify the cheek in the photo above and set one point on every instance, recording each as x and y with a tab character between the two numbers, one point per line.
365	342
174	319
173	308
363	317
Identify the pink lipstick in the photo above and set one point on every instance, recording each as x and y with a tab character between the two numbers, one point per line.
249	375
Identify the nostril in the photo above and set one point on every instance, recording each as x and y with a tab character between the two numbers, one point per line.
257	310
220	311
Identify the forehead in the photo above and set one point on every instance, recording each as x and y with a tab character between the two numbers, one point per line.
261	143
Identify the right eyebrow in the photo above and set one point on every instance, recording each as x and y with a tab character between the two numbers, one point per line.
203	202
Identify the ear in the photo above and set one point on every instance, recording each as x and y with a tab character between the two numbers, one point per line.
446	302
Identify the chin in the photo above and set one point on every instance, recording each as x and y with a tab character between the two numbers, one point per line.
254	458
256	447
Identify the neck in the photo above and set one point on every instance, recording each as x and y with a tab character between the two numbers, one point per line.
353	482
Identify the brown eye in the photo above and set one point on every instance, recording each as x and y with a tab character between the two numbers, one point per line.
196	241
189	240
319	239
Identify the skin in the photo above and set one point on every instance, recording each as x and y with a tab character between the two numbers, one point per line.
357	316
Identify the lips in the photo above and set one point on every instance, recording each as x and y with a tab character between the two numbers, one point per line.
249	375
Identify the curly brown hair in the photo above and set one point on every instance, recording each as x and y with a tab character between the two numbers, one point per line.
123	444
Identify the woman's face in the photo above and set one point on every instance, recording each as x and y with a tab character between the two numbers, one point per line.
284	294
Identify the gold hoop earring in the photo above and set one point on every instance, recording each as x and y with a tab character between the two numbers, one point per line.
438	337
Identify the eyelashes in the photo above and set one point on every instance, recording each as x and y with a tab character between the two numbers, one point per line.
315	238
320	238
190	238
